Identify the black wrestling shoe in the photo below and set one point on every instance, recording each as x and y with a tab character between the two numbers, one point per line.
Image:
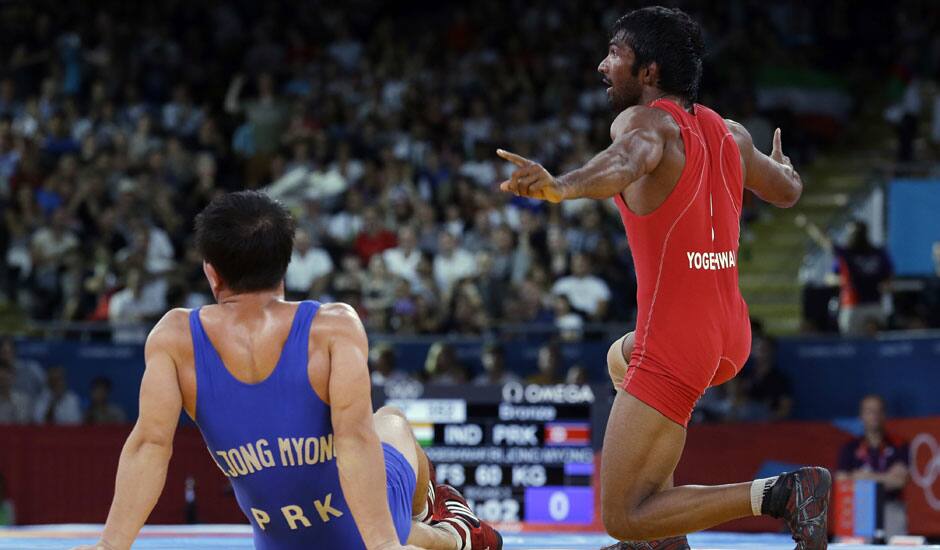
674	543
801	499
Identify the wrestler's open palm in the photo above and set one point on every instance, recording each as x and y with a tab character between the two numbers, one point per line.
530	179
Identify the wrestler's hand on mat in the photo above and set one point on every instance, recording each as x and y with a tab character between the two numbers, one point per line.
530	179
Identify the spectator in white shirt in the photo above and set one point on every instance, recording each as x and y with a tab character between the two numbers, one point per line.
451	263
569	324
586	293
160	253
403	260
138	301
14	405
181	116
347	223
51	244
308	266
478	126
152	245
58	404
480	168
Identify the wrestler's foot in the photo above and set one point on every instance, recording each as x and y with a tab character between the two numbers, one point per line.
428	516
452	513
801	498
674	543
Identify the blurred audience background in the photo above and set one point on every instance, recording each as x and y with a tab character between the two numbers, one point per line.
377	125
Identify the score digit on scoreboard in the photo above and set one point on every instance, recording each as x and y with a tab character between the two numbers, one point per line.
517	452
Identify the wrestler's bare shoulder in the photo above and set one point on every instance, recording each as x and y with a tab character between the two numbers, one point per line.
645	118
337	316
171	331
740	134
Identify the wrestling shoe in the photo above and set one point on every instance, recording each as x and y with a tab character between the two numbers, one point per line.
801	499
452	513
674	543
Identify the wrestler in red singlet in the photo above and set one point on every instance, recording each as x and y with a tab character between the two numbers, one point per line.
692	327
677	172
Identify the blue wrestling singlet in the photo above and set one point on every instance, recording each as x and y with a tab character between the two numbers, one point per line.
274	441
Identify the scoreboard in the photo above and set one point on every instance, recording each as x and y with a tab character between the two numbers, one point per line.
518	452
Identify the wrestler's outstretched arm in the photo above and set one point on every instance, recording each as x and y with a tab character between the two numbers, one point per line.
639	136
143	465
771	177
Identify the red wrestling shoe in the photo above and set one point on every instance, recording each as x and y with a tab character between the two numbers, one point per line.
452	513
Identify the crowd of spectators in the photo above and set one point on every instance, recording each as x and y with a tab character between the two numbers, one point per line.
33	394
761	393
377	125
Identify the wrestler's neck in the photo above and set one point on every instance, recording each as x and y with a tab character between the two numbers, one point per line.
250	301
651	94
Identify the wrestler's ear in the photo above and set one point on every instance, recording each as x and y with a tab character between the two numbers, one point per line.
649	74
215	281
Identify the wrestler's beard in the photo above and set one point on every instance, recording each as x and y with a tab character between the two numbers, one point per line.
624	97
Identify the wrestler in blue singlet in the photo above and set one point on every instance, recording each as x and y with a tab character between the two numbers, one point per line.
274	441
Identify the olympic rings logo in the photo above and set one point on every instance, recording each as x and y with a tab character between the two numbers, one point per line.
926	478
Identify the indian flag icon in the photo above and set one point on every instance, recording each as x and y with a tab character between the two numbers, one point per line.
424	433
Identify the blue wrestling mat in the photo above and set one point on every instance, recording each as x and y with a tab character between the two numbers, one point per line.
238	537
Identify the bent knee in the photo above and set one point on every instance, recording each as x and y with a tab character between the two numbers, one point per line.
393	428
620	525
389	410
